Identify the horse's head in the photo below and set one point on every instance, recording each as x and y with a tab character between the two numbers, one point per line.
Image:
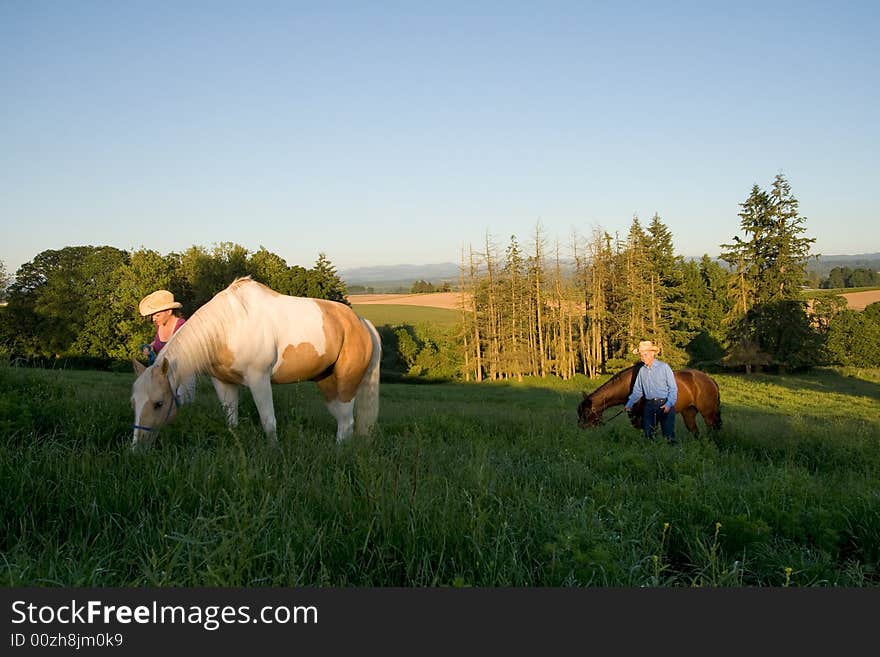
588	416
153	401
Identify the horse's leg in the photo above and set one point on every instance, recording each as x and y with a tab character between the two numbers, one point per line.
261	390
689	415
344	414
712	418
227	393
343	411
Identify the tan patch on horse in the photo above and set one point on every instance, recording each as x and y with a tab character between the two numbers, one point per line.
354	355
222	368
300	363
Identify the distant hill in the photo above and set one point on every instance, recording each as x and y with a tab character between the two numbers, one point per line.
826	263
392	278
397	278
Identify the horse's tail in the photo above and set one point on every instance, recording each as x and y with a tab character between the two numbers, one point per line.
367	404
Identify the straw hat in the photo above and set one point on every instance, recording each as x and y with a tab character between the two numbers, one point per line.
156	302
647	345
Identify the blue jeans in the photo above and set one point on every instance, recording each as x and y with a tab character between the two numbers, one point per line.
652	411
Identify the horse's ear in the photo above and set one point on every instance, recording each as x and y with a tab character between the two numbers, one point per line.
138	366
586	396
164	368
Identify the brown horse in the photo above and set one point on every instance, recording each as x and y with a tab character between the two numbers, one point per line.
697	393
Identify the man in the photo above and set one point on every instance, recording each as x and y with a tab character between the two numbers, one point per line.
655	382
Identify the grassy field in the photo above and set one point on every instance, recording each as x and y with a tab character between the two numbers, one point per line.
393	314
461	485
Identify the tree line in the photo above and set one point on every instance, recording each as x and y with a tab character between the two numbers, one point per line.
82	301
541	310
426	287
533	309
844	277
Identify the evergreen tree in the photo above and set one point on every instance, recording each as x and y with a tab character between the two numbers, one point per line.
597	285
703	310
769	268
787	250
671	324
637	305
324	282
515	292
535	268
4	281
747	257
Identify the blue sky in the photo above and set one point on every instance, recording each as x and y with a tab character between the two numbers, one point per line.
399	132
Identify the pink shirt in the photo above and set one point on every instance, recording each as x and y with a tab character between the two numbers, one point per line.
157	344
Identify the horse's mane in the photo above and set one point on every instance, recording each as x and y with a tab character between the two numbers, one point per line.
191	350
618	377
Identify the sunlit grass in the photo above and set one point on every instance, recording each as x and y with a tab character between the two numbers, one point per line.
477	485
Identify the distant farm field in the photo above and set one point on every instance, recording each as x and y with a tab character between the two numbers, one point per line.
859	300
856	299
460	485
393	314
447	300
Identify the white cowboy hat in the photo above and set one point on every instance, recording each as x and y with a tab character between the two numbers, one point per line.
156	302
646	345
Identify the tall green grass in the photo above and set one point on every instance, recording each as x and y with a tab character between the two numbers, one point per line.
461	485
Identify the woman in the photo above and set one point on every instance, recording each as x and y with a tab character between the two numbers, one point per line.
160	306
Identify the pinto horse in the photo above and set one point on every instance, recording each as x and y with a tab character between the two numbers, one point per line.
250	335
697	393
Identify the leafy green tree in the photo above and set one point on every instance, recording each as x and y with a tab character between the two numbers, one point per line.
99	272
197	277
862	277
747	354
785	330
270	269
854	338
837	278
406	347
232	261
55	296
824	309
144	272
